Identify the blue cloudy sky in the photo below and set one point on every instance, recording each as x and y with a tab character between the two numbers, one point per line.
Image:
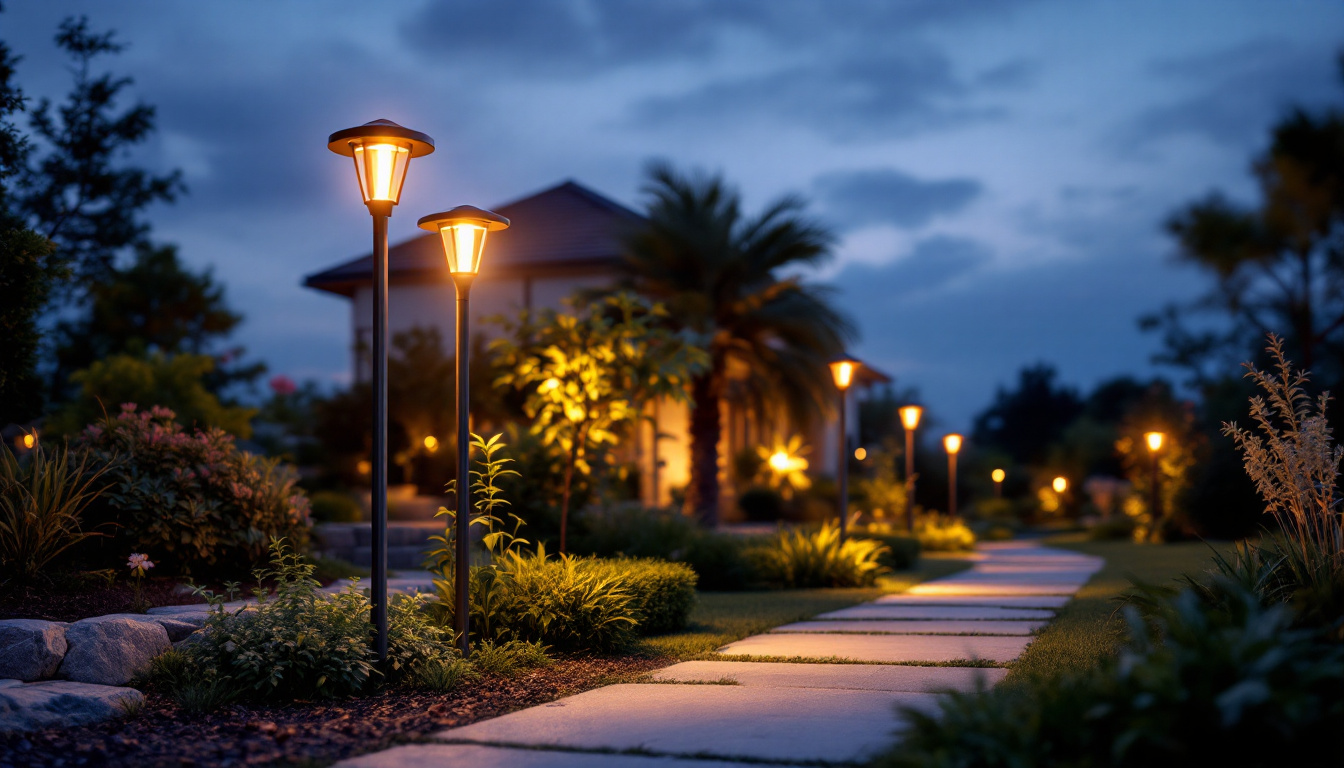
998	171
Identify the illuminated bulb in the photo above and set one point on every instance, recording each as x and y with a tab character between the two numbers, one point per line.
843	372
998	475
779	461
1154	440
860	453
952	443
1060	485
431	443
910	416
364	467
29	440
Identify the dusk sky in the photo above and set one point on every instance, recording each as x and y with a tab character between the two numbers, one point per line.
998	171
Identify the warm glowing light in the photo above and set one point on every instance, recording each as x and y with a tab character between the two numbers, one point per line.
843	372
29	440
779	461
463	231
860	453
952	442
382	169
364	467
1154	440
1060	484
998	475
431	443
910	416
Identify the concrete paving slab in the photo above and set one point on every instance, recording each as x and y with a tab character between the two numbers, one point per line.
476	756
991	589
1025	577
1035	602
793	724
864	677
886	648
947	627
898	612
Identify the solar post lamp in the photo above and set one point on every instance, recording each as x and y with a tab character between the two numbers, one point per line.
462	233
952	443
382	151
843	369
910	421
1155	441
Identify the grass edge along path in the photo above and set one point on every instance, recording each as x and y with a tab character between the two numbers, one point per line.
1089	627
720	618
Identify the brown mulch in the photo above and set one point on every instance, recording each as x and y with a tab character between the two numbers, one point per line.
305	733
72	602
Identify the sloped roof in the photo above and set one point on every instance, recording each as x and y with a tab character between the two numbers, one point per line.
567	226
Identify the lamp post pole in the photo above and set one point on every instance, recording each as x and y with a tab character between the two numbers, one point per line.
462	540
382	152
842	469
952	443
1157	492
910	421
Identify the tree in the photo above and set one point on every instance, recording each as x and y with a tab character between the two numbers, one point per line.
79	194
590	374
1025	422
718	272
1278	266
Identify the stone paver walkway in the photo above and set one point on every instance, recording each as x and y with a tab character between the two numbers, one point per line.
823	691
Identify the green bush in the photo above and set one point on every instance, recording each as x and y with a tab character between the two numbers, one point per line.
42	500
630	530
192	501
902	550
509	658
664	592
303	643
940	533
760	504
335	507
1231	687
798	559
1118	528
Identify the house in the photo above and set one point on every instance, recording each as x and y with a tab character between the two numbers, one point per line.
561	240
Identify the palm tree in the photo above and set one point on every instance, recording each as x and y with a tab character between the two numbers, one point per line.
718	271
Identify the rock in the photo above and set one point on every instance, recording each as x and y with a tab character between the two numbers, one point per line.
59	703
31	649
194	638
111	650
177	626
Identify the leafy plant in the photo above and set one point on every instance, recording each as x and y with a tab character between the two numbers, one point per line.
42	501
664	593
942	533
630	530
191	501
335	507
902	549
800	559
443	675
509	658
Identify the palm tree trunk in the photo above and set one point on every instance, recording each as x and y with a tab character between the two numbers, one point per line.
702	492
579	435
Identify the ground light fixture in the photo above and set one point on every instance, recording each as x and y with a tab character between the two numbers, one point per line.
952	444
382	153
910	421
843	369
997	476
1155	441
462	233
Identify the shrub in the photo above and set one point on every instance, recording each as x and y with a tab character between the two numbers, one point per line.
42	500
760	504
443	675
1192	686
1116	528
799	559
635	531
335	507
509	658
664	593
192	501
902	549
940	533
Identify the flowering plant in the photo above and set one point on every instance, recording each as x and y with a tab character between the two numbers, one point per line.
139	565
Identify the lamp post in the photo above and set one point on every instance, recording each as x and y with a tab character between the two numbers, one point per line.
462	231
910	420
843	369
997	476
382	151
1155	440
952	443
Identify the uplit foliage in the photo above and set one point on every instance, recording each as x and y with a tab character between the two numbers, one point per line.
784	466
882	493
800	559
589	375
42	500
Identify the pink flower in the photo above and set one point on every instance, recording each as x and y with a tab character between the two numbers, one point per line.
283	385
139	564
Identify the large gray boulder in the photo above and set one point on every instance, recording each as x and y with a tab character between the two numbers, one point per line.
31	649
177	626
111	650
60	703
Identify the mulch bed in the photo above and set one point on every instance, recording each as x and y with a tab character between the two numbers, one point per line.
71	602
305	733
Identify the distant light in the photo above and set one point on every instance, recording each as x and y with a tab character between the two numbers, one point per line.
29	440
843	373
1060	485
431	443
998	475
364	467
952	443
462	231
910	416
779	461
860	453
1154	440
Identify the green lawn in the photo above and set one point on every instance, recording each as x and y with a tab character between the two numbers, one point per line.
722	617
1089	627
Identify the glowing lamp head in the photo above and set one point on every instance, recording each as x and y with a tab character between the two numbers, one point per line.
860	453
998	475
463	230
779	461
1154	440
842	371
910	416
28	440
431	443
1060	484
952	443
364	466
382	151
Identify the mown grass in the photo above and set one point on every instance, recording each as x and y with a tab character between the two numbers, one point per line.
722	617
1089	627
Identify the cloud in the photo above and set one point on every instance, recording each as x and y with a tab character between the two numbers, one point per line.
886	196
933	264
